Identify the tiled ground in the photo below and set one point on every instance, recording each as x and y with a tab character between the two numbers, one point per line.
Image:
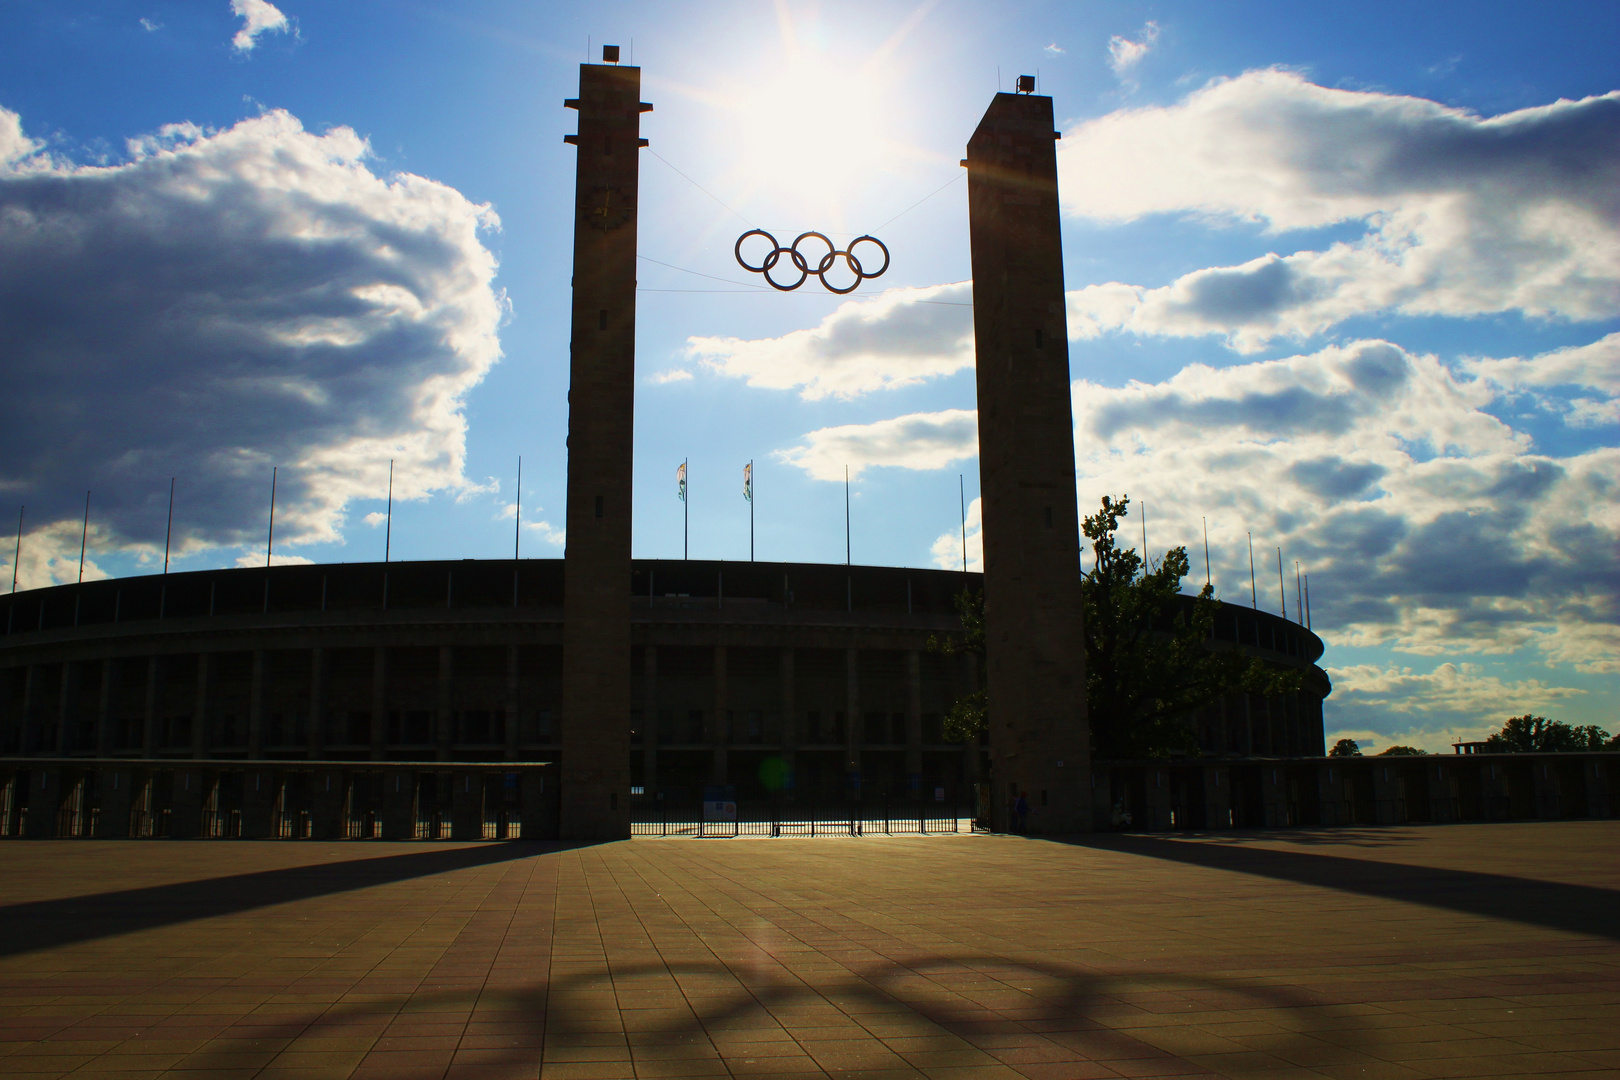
1416	952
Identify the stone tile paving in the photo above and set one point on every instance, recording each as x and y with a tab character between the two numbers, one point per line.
1457	951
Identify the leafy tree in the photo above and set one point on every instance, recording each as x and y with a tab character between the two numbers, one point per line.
968	715
1345	748
1148	667
1528	734
1402	751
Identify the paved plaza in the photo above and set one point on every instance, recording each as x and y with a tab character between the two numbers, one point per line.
1450	951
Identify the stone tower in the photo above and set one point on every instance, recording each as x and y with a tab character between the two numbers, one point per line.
595	766
1035	652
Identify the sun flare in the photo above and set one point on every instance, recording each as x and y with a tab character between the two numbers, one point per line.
814	133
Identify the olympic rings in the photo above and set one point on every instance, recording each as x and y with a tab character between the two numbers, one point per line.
800	263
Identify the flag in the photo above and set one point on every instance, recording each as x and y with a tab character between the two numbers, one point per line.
748	481
680	482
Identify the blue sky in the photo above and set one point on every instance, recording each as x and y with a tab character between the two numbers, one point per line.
1345	280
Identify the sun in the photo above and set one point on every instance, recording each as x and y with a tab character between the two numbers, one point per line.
812	133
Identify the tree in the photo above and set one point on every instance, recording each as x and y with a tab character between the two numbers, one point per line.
1537	734
1345	748
1402	751
968	716
1149	667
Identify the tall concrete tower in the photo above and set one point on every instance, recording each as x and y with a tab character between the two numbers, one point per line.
1036	655
595	766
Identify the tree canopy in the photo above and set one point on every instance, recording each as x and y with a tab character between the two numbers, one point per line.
1149	667
1345	748
1527	733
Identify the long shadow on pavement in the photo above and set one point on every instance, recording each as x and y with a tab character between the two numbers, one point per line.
46	924
1575	909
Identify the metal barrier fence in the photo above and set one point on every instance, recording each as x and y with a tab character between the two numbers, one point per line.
813	824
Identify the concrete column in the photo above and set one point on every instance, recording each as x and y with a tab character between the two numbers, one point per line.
67	712
379	700
113	821
649	722
104	704
973	765
595	765
399	794
718	735
326	805
1217	797
258	801
446	688
914	725
467	806
1031	531
256	696
317	701
44	793
790	719
199	709
852	722
154	702
514	702
27	739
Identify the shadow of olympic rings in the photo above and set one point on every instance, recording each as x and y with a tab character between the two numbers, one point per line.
802	264
1052	1011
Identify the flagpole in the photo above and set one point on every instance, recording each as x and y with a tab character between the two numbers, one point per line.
270	537
686	512
517	530
84	535
961	494
1206	551
1299	599
846	516
17	555
1307	601
750	509
1254	597
1282	590
168	532
388	529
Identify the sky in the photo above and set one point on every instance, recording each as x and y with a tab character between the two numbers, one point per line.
1343	280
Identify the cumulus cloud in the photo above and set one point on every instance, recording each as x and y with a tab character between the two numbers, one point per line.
1124	54
1055	49
150	25
258	17
900	338
916	441
947	549
1455	702
1463	215
671	375
224	302
1425	523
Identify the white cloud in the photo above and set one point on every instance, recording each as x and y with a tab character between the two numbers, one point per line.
150	25
1124	54
1595	366
548	532
258	17
255	558
1426	524
1384	706
225	302
1463	215
916	441
1055	49
947	550
899	338
671	375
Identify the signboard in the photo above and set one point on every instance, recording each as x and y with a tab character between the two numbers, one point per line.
720	803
